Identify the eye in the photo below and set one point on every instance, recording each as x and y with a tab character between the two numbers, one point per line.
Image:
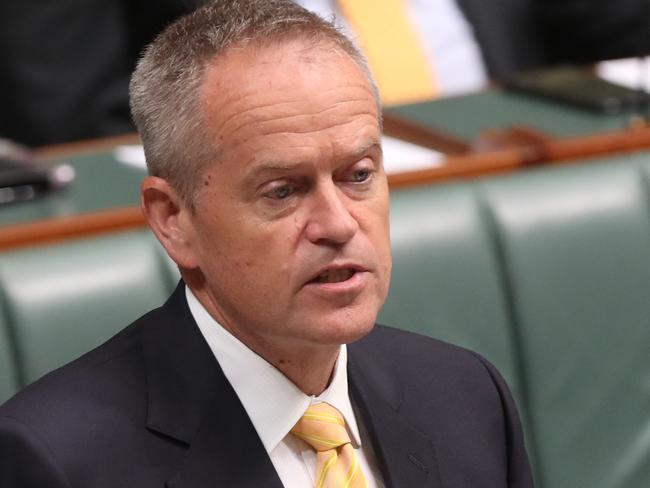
281	189
281	192
360	175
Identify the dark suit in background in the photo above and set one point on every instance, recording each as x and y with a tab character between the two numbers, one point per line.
157	409
66	64
520	34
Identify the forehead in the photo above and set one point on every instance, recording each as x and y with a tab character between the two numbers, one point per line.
283	84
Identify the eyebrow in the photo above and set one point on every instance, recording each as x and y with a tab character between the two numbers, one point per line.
272	168
277	167
373	145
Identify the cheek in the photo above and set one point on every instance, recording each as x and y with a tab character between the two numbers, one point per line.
379	236
376	223
264	256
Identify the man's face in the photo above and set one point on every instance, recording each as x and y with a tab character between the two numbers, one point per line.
290	230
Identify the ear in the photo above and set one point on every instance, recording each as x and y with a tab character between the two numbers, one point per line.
169	219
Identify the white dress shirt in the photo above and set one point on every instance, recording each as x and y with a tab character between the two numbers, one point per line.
274	404
447	38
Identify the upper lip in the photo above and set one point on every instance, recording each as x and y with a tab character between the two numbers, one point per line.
356	267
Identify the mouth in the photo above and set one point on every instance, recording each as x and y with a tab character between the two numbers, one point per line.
336	274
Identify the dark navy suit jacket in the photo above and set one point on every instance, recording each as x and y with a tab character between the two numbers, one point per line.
152	408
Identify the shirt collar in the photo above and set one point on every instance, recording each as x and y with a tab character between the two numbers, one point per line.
273	403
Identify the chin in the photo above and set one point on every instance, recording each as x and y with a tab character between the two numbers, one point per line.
344	329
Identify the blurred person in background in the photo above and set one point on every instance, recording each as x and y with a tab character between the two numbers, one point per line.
66	64
465	43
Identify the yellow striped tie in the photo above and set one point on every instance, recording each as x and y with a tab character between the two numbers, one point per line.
323	428
394	52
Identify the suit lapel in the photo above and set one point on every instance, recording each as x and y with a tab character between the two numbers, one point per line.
191	401
405	455
226	452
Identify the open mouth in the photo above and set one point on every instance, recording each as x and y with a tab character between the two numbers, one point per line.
334	275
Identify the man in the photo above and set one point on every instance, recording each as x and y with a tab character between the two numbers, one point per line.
262	131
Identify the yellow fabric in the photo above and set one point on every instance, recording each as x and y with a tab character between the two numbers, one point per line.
323	428
393	50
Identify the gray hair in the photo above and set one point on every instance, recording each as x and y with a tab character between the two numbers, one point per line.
164	89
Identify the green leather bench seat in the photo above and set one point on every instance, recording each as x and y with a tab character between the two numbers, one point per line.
446	279
8	374
63	300
576	246
547	274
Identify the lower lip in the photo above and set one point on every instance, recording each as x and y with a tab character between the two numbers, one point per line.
354	284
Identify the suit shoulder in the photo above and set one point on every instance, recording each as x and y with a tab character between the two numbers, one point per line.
446	392
401	345
94	376
420	362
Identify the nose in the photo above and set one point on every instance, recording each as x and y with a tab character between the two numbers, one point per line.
330	220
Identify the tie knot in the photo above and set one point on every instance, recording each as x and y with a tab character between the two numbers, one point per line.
322	427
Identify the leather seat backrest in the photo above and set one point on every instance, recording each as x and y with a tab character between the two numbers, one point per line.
63	300
8	373
576	247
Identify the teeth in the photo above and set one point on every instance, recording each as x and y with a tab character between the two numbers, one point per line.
335	275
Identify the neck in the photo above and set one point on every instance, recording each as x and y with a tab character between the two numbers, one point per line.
309	366
310	371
